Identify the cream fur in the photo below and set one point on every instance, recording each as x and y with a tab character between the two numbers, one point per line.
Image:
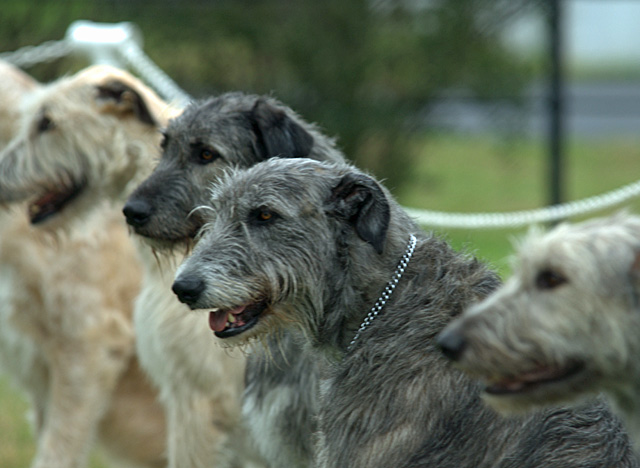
107	144
66	330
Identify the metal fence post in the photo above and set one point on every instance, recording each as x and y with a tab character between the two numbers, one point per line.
556	104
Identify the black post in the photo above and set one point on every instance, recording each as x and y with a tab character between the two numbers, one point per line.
556	107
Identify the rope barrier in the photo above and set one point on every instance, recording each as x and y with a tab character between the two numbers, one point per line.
120	44
518	219
115	44
137	60
31	55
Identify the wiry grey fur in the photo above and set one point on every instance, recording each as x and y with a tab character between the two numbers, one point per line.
319	242
566	325
238	130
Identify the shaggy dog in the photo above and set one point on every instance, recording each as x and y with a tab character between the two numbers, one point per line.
86	157
230	130
565	326
300	244
67	286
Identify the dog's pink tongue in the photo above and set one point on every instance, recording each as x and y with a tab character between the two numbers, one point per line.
218	320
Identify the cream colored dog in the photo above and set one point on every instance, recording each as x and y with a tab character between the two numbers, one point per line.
82	161
66	300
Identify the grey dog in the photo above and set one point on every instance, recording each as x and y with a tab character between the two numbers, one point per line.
233	129
239	130
564	326
324	248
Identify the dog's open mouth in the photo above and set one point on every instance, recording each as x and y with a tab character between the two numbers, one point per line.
231	322
52	202
533	380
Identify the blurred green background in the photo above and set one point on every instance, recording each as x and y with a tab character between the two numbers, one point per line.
371	73
359	70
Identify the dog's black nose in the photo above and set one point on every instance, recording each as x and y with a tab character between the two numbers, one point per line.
137	212
451	343
188	289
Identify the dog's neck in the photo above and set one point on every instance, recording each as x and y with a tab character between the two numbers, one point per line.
388	290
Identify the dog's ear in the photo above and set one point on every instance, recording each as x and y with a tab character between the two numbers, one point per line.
119	98
360	200
276	134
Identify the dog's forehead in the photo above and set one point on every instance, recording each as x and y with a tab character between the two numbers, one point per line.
54	97
211	114
202	125
538	251
290	181
583	250
262	188
207	126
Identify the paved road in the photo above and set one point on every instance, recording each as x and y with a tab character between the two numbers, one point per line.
592	110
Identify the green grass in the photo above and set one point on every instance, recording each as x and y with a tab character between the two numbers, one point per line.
16	442
455	174
17	446
485	174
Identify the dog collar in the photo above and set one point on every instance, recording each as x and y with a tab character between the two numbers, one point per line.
388	290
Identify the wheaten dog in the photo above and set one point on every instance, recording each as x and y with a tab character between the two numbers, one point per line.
203	427
15	85
105	123
66	332
565	326
295	243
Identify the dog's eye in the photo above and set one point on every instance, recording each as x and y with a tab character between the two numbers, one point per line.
45	124
548	279
207	155
262	216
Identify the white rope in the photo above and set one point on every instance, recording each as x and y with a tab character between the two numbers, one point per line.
137	60
121	43
517	219
115	44
32	55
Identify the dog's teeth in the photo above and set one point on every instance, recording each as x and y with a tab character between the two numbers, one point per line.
231	318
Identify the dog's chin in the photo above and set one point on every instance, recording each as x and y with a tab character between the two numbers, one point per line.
546	386
240	339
